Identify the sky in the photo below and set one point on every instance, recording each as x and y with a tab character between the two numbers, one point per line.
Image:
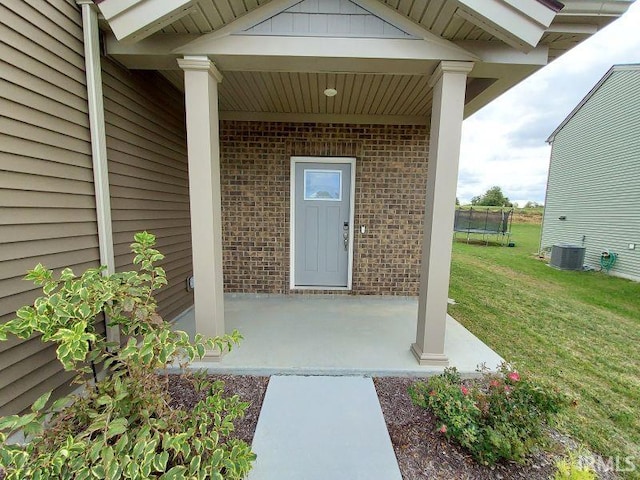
504	143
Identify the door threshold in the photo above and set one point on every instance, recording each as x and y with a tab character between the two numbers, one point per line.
320	287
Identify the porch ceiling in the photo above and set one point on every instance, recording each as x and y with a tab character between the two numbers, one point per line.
405	98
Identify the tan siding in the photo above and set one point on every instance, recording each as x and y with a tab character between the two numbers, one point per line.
35	78
26	292
41	231
20	163
146	143
47	206
18	267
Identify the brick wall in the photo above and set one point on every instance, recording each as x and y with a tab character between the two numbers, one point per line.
391	170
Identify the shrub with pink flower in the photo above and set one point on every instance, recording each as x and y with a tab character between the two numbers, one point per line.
499	416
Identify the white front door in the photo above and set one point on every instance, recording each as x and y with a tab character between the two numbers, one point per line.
322	222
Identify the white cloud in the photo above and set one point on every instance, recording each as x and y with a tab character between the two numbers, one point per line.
504	143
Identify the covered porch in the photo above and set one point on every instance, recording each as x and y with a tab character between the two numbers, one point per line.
334	335
319	82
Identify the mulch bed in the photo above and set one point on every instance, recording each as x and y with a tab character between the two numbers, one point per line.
249	389
425	453
421	450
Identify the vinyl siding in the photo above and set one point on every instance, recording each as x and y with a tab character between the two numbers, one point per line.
47	205
594	177
148	176
338	18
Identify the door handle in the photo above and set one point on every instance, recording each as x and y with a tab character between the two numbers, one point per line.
345	235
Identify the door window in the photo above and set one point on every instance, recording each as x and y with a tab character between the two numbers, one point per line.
323	185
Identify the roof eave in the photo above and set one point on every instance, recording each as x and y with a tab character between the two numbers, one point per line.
552	4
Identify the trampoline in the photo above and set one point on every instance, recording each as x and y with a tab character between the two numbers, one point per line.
484	222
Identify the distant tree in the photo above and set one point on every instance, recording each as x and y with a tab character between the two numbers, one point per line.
492	198
531	204
457	202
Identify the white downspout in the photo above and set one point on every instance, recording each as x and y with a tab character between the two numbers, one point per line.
98	141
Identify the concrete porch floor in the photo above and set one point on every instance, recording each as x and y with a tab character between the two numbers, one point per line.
333	335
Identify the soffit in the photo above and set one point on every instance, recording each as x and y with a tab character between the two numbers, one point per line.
438	16
210	15
560	43
443	17
560	39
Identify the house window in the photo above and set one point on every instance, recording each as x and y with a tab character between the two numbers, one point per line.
323	185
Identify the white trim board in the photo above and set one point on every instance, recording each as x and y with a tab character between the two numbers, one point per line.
292	217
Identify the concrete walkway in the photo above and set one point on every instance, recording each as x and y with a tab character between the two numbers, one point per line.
320	428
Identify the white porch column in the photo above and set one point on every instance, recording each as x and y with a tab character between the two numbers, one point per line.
449	83
201	79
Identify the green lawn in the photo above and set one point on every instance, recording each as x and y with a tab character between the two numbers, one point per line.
580	330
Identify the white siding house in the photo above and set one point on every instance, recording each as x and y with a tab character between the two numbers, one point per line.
593	192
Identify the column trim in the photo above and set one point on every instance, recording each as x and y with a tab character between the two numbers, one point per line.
95	102
449	67
197	62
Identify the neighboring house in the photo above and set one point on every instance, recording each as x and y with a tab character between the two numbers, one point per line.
593	192
305	121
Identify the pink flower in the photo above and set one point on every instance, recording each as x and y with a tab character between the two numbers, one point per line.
464	390
443	429
507	389
514	376
494	383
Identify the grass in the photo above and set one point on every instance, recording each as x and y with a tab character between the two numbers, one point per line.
578	330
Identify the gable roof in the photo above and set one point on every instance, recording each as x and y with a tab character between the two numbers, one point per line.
519	23
615	68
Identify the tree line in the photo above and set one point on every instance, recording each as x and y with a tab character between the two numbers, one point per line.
494	197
